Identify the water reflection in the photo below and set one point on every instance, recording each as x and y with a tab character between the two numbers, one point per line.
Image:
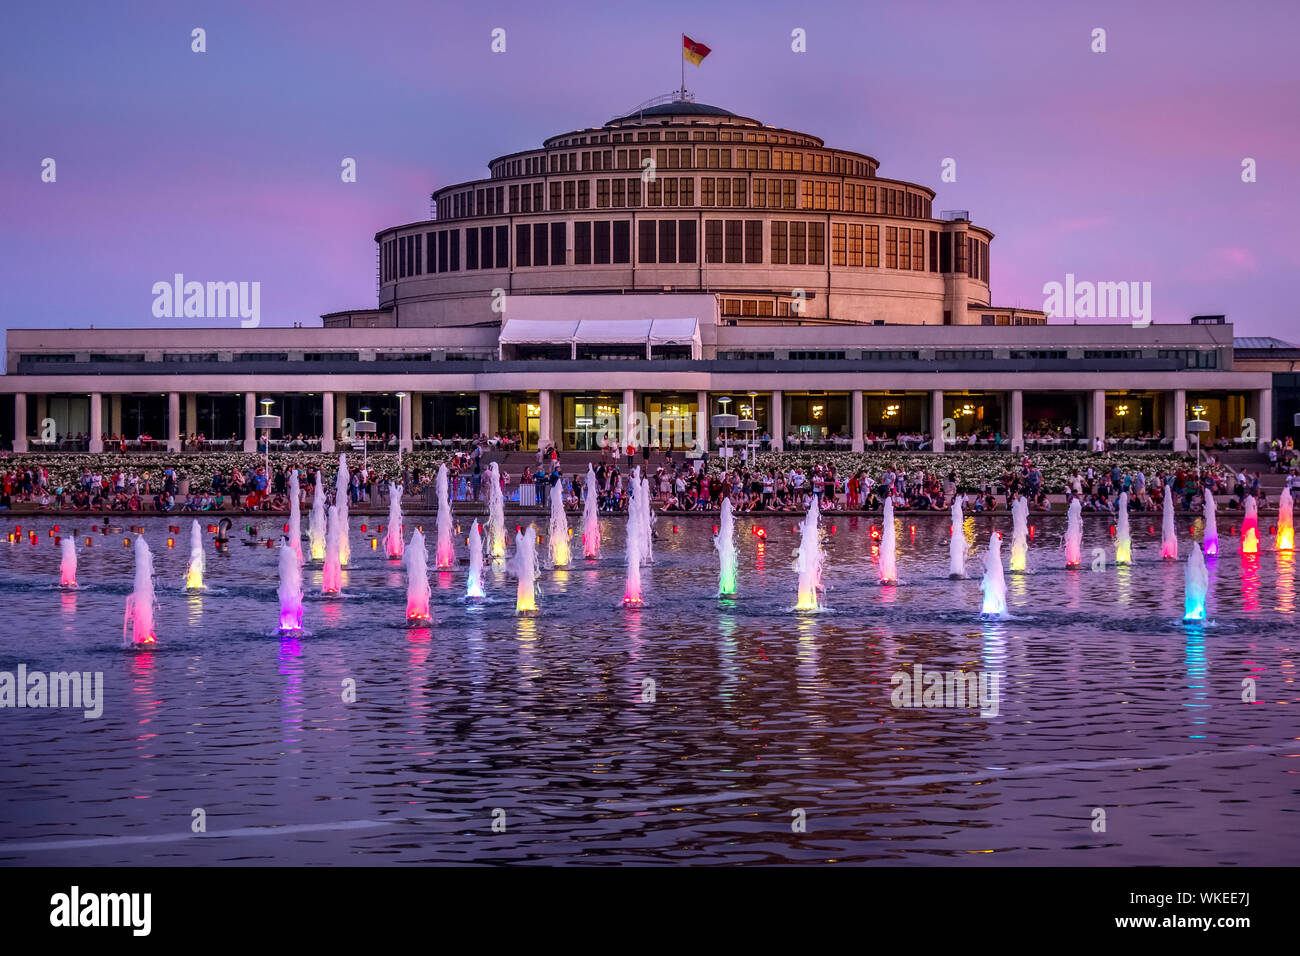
1197	665
291	701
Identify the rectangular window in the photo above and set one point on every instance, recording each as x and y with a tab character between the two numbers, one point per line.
713	240
634	192
686	192
855	244
670	192
645	241
760	193
523	245
601	256
959	249
787	194
905	250
734	240
686	240
798	243
431	255
945	252
754	241
559	254
738	192
668	240
455	250
934	251
471	248
503	246
780	243
582	243
891	247
706	191
442	251
839	244
816	243
918	249
584	194
602	194
622	242
541	248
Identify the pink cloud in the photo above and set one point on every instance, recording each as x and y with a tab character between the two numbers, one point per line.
1218	265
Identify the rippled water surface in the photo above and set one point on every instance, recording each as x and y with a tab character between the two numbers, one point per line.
760	721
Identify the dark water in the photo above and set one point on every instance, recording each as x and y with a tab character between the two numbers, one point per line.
759	717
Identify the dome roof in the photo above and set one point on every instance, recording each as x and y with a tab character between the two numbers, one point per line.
677	108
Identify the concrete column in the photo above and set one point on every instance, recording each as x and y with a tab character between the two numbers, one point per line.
627	416
485	413
417	413
855	415
1017	420
404	423
1178	420
250	412
42	412
1096	417
115	415
1264	419
96	422
778	421
20	421
327	422
702	419
340	410
192	414
544	436
173	421
936	421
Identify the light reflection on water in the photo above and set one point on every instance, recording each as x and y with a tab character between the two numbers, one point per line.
755	708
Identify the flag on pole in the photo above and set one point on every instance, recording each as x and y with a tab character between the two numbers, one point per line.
695	52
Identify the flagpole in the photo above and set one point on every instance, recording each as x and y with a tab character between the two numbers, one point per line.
682	93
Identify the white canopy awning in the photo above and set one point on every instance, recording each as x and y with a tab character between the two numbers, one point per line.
648	332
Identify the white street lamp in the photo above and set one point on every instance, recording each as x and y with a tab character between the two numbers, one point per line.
266	422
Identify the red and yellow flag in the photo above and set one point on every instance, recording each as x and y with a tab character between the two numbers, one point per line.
695	52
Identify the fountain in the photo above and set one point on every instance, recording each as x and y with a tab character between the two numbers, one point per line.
1020	533
726	545
1123	536
68	564
137	626
1196	583
1168	533
888	546
1250	527
558	531
194	575
331	581
316	527
496	527
393	542
417	579
446	555
809	559
994	585
474	586
1074	534
635	552
1285	525
590	516
295	519
290	589
524	567
1211	527
957	546
643	499
341	486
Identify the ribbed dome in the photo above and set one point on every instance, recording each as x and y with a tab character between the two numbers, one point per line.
677	108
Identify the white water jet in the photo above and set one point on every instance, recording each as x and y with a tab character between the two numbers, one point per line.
316	525
194	574
137	625
1250	527
524	567
888	545
1123	535
635	552
809	559
418	591
290	589
957	545
1074	534
590	516
394	544
1020	533
1168	532
643	499
725	543
474	586
446	554
295	516
1211	526
1285	524
332	573
558	531
68	563
341	486
994	585
496	527
1196	582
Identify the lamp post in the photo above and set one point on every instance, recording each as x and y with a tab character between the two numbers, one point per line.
266	422
365	428
401	397
725	422
1194	428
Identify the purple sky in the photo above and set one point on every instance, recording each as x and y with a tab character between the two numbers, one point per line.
225	165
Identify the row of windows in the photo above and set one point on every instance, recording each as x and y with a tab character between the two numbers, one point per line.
673	241
680	191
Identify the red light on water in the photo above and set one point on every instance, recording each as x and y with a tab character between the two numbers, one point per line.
286	529
1232	529
171	542
911	529
761	532
875	532
212	529
1272	529
1112	531
674	529
1151	529
363	529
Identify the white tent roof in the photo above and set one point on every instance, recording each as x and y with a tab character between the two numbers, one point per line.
518	331
537	331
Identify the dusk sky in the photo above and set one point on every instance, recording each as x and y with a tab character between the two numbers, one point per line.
224	165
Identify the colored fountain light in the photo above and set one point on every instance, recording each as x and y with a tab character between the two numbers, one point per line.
809	558
1074	534
341	486
474	586
1250	527
994	585
294	530
1168	533
496	527
725	544
1020	534
590	516
1285	524
290	589
394	546
559	528
957	546
524	567
331	581
138	624
194	573
1196	582
418	591
1123	535
1211	526
446	551
888	546
68	564
316	525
